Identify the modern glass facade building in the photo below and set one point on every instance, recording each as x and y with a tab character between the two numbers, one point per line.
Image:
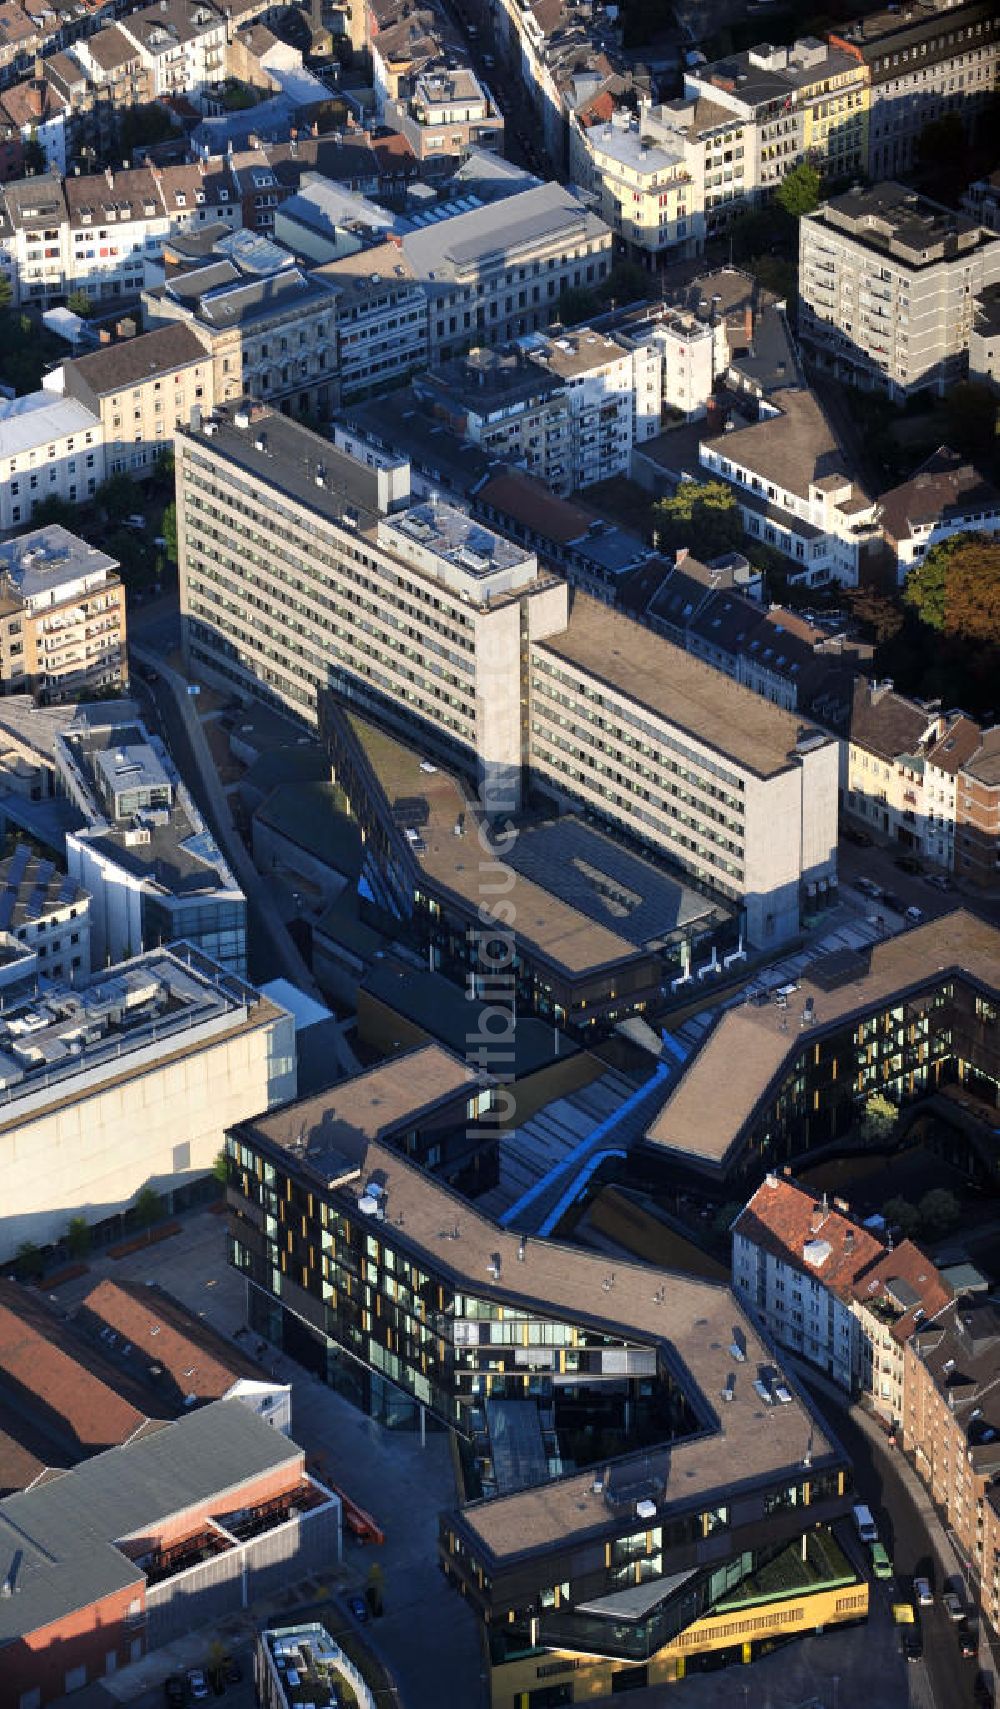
639	1472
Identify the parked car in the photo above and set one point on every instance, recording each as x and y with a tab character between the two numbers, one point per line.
912	1642
881	1564
968	1638
197	1684
939	880
175	1691
953	1605
232	1670
135	521
914	916
923	1592
891	900
909	863
860	839
868	887
359	1608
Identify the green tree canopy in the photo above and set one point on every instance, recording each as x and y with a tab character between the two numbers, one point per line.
798	192
170	531
940	1211
78	1237
79	303
900	1213
702	516
956	589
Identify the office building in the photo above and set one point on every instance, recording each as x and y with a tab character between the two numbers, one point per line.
792	484
62	616
822	1285
951	1427
380	314
620	1531
496	272
887	282
580	965
303	568
153	870
50	447
128	1081
780	1076
264	326
140	1544
921	63
47	913
737	792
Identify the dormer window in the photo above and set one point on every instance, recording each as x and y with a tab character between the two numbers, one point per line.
181	199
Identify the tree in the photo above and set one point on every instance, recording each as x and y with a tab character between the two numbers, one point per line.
30	1262
6	293
373	1589
116	497
971	415
900	1214
164	467
220	1168
141	127
702	516
34	158
880	1117
956	589
51	509
940	1211
169	529
79	303
78	1237
881	614
147	1208
798	192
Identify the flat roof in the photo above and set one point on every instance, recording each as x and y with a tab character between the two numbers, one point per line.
535	216
695	1321
329	1130
792	449
893	219
26	423
749	1047
286	456
136	1017
651	672
569	354
560	932
168	846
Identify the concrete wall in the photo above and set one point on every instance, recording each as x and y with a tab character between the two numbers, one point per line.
163	1123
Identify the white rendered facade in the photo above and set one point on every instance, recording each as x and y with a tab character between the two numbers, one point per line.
792	1304
50	447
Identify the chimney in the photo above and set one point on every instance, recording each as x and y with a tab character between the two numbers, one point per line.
202	165
748	324
681	554
36	98
109	175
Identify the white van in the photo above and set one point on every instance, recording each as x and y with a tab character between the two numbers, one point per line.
866	1527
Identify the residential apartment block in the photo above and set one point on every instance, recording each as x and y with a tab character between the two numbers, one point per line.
648	177
675	1515
62	616
790	480
182	44
445	112
50	447
804	102
921	63
945	496
119	1555
926	779
951	1426
152	868
887	282
141	390
196	1050
823	1286
786	1073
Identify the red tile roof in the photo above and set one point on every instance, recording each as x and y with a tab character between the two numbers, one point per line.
198	1360
906	1264
79	1406
787	1221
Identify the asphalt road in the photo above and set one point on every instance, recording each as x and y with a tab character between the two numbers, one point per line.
901	1528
